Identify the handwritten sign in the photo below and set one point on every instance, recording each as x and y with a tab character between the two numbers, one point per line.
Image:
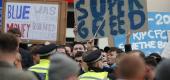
156	38
151	41
35	21
109	17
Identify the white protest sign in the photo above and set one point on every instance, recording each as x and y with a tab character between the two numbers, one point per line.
109	17
36	21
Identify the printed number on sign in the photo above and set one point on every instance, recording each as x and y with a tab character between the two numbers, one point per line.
162	19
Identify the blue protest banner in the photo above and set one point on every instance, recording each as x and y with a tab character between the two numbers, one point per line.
109	17
161	20
151	41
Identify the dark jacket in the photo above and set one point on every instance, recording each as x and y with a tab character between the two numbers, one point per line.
8	72
27	60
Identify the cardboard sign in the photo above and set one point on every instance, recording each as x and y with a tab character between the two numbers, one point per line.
36	21
109	17
156	38
151	41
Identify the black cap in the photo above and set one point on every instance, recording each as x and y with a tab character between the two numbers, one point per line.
45	50
92	56
106	49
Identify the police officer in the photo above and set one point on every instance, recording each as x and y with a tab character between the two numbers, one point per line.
95	66
41	69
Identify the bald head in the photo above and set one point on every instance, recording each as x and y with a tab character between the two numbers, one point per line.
131	66
137	53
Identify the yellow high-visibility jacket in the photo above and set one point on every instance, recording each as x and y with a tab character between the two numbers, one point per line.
41	69
94	76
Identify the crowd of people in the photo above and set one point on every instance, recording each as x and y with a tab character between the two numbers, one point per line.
79	61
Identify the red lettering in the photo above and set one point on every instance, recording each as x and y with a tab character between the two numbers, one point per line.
9	26
21	27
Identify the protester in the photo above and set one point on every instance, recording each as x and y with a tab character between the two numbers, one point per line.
41	69
61	49
69	50
112	54
16	32
156	56
79	59
95	66
35	55
78	46
131	68
137	53
106	49
104	58
163	70
90	45
150	68
26	56
107	67
63	68
8	53
115	71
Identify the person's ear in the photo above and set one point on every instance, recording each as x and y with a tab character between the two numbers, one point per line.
97	64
